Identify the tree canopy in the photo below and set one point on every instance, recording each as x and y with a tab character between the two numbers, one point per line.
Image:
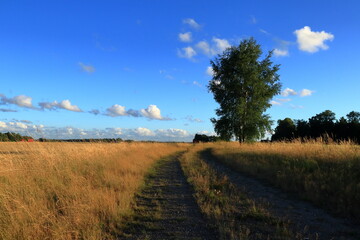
243	86
323	125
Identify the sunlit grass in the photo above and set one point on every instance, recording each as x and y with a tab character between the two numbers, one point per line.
231	211
326	174
71	190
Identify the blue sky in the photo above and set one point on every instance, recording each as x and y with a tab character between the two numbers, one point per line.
139	69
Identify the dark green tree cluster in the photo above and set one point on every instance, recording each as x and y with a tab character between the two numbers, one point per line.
243	85
204	138
13	137
105	140
322	125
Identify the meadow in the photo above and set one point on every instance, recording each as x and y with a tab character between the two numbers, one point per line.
52	190
71	190
327	175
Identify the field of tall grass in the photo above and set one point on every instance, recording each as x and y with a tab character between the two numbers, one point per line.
71	190
325	174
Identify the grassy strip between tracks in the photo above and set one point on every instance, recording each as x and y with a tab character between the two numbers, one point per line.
235	215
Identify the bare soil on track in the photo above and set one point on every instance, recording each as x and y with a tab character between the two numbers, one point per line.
304	218
166	208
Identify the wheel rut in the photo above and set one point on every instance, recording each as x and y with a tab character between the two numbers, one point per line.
166	208
306	219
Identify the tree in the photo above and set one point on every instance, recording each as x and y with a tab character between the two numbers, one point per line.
243	86
284	131
322	124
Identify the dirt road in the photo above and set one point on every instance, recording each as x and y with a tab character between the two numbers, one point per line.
166	208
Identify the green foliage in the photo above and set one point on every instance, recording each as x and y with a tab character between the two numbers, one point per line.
285	130
13	137
243	86
322	125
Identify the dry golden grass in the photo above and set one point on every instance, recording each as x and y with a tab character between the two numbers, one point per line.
234	214
326	174
71	190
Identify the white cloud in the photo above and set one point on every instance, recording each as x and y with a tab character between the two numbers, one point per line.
152	112
306	92
187	52
275	103
144	131
21	125
218	46
210	71
192	23
281	53
204	47
68	132
116	110
310	41
3	124
172	133
86	68
21	101
64	104
185	37
288	92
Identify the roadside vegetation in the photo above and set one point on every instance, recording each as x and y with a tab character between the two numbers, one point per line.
71	190
234	214
325	174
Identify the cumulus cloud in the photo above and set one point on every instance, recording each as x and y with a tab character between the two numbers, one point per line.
187	52
86	68
116	110
69	132
21	101
210	71
192	23
3	124
218	46
141	131
288	92
152	112
306	92
64	104
310	41
281	53
185	37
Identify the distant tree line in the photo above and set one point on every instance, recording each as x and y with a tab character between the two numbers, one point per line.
13	137
105	140
204	138
322	125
